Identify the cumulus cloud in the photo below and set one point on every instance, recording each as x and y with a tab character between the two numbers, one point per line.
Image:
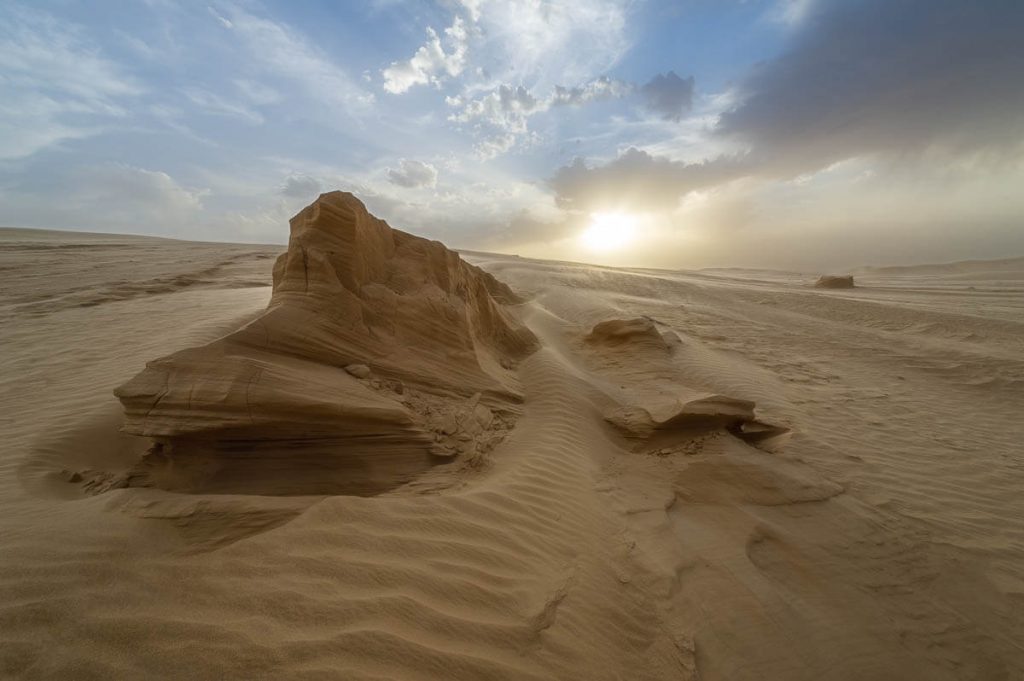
597	90
669	96
431	63
506	108
495	145
301	187
502	114
413	174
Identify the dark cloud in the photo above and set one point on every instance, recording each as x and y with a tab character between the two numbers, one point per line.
669	96
886	77
412	174
637	180
890	79
301	187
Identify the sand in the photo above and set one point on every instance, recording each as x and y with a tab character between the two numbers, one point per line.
714	475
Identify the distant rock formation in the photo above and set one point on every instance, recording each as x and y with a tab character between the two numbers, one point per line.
834	281
372	340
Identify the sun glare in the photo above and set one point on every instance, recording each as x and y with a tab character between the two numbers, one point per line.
608	231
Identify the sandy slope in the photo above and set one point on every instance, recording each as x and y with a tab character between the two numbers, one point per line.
884	539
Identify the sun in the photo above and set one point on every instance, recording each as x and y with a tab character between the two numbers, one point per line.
608	231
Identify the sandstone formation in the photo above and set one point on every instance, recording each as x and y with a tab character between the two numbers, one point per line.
638	331
663	421
834	281
372	338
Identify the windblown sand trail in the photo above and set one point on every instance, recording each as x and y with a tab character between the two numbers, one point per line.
547	470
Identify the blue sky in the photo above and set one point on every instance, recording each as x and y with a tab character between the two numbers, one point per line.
757	132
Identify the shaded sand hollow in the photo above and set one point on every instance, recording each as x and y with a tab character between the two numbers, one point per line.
393	463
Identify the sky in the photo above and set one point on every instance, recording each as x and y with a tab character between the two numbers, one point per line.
791	134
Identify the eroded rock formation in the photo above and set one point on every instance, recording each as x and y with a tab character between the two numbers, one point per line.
834	281
373	338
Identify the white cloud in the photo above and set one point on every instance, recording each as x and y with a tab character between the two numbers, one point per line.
500	116
54	84
597	90
128	195
108	197
301	187
221	106
412	174
506	108
472	8
495	145
258	93
280	49
226	23
546	42
431	63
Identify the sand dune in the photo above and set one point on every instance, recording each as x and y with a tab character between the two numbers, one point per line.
686	475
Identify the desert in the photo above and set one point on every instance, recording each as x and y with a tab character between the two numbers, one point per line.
512	340
620	522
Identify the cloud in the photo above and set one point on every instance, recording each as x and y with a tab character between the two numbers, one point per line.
472	8
885	78
301	187
506	108
106	197
868	79
431	63
669	96
791	12
258	93
138	194
637	181
495	145
226	23
501	115
277	48
217	105
597	90
55	85
546	42
413	174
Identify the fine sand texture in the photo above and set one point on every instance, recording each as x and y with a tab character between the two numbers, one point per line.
377	460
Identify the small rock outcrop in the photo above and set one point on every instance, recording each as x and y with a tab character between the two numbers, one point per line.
834	281
664	421
371	335
640	331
